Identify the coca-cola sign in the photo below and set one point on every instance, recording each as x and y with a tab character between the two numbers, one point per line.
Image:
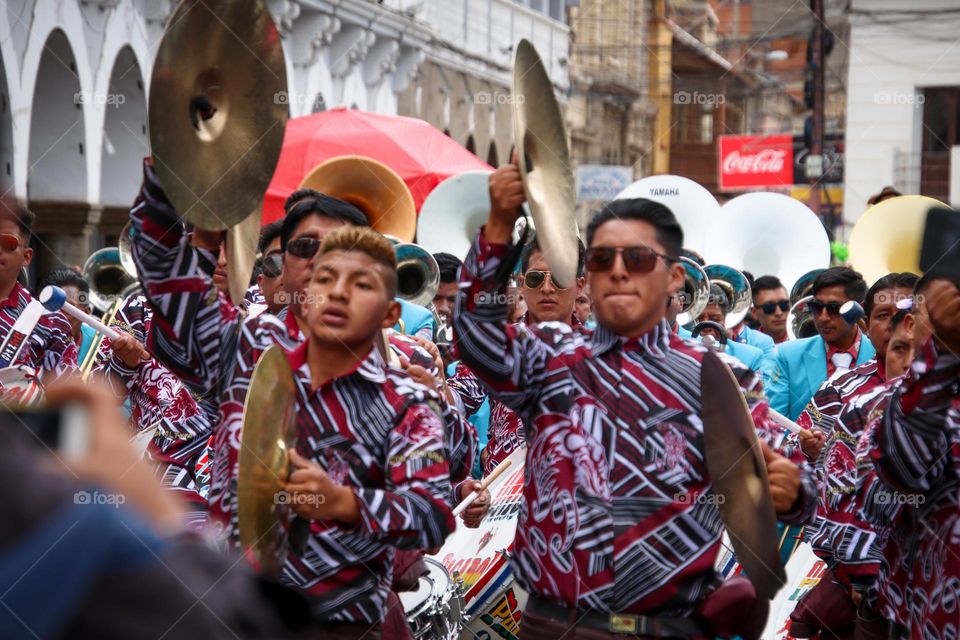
749	162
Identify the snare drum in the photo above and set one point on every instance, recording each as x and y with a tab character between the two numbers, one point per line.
435	608
481	558
20	386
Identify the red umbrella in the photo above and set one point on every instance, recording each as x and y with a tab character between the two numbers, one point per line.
421	154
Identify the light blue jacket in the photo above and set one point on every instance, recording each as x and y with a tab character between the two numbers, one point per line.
801	368
750	356
414	320
767	346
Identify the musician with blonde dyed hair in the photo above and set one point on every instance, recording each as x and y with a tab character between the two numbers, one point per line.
369	470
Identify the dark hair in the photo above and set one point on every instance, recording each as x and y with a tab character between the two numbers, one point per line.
719	297
766	283
690	254
534	245
269	233
23	217
62	277
852	282
749	277
898	318
449	266
890	281
307	202
668	231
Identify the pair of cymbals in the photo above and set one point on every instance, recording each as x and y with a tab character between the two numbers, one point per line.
217	119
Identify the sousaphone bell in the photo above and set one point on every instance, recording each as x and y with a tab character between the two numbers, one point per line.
737	288
371	186
696	291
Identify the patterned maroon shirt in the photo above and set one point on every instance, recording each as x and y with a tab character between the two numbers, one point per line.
159	399
616	514
917	457
374	430
49	350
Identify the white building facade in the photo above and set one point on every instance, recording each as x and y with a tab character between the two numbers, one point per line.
75	80
903	103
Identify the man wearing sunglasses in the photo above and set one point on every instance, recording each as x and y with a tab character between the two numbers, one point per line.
828	421
49	350
607	540
803	365
269	279
771	306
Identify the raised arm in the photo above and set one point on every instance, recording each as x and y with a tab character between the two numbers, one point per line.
193	326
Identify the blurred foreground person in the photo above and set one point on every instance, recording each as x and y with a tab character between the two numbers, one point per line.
90	545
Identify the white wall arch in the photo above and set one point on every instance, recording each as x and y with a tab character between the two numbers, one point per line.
124	132
66	19
57	160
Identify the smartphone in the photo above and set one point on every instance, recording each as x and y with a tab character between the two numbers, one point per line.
940	252
65	430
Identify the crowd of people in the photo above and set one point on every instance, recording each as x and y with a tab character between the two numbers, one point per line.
401	411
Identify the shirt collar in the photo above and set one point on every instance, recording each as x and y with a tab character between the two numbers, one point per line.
14	298
654	342
372	368
853	350
574	320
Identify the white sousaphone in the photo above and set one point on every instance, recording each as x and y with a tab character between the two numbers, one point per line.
694	207
768	234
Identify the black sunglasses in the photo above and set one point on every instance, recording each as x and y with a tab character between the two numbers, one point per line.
769	307
535	279
833	308
636	259
272	266
304	247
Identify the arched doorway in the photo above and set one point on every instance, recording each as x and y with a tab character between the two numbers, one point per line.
124	144
492	158
56	165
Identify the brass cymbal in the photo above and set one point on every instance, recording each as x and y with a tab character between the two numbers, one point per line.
739	477
545	167
372	187
216	121
269	431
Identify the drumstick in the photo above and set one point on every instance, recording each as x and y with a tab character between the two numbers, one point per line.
788	424
460	508
55	299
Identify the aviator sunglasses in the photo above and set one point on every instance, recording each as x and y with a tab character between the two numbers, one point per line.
833	308
535	280
303	247
272	266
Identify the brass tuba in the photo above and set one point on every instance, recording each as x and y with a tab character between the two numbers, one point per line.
737	288
107	272
372	187
696	291
887	238
800	322
418	275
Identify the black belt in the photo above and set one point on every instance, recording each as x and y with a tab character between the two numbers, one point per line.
617	623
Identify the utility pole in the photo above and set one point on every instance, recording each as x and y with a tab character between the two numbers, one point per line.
814	168
660	84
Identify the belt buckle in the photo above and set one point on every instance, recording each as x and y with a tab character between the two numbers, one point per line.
623	623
